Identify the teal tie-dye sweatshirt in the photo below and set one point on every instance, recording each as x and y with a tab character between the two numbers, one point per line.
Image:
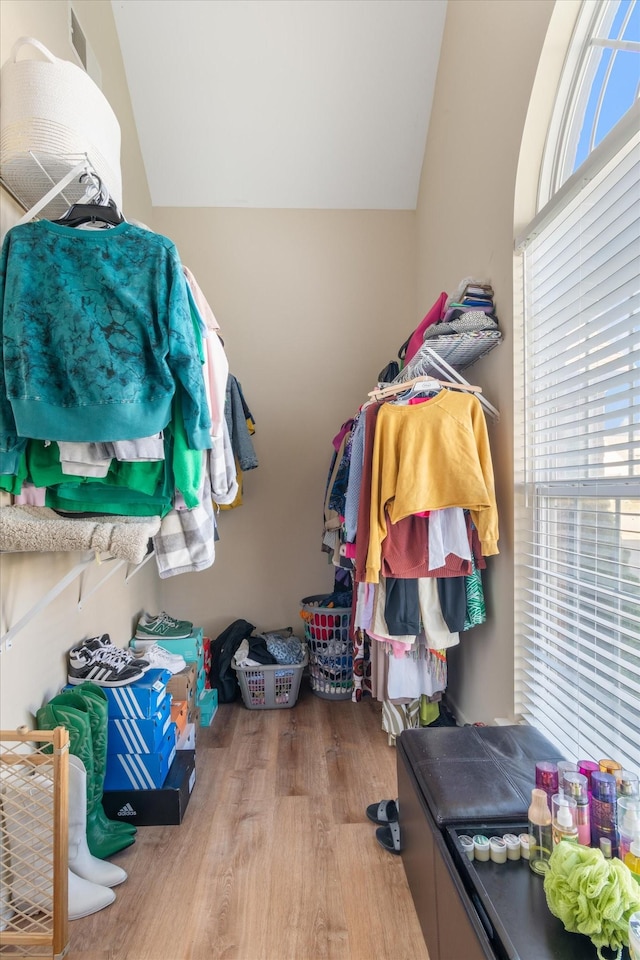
97	336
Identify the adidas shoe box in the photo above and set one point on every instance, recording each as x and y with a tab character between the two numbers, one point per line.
141	771
140	736
164	806
139	700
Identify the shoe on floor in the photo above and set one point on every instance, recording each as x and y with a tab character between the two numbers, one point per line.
389	837
162	627
384	812
102	663
159	658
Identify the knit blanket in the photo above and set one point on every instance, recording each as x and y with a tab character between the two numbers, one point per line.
40	529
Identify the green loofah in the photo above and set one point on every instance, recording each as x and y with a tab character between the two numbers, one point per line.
591	895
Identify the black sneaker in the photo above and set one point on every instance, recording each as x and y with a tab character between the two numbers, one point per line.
142	662
102	663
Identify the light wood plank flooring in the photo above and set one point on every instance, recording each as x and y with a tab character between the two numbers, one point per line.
275	859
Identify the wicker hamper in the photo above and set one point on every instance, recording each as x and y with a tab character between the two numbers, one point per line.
327	630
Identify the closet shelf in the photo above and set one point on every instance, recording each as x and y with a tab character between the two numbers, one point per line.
33	177
460	350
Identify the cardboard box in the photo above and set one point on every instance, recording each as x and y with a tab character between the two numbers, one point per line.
164	806
200	683
140	736
179	710
139	700
182	686
188	739
141	771
207	704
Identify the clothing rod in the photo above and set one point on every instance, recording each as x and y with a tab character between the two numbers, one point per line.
446	369
394	388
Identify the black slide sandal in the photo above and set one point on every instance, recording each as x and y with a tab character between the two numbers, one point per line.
389	837
384	812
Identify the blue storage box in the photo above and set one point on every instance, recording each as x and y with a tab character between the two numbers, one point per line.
141	699
139	736
141	771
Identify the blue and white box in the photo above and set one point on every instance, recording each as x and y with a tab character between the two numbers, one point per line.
141	699
139	736
141	771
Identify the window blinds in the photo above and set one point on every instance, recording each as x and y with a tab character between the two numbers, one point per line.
578	528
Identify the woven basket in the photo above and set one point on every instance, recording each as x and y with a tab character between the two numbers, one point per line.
53	108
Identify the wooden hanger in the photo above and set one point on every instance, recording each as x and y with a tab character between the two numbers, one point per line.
393	389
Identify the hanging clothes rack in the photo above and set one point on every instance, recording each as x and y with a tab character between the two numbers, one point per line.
422	367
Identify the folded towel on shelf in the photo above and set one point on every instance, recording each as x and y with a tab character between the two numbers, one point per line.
40	529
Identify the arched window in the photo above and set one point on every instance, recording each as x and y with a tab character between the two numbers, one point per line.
578	475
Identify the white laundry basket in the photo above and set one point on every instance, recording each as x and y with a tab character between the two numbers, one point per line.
52	109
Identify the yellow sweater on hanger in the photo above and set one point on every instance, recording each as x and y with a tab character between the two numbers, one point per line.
431	456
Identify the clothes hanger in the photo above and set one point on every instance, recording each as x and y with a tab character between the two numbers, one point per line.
427	360
425	381
95	207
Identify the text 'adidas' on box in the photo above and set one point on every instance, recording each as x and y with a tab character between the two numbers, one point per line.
162	807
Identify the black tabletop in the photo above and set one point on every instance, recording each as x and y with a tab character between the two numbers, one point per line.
512	899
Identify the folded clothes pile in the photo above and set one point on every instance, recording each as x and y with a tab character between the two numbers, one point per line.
469	311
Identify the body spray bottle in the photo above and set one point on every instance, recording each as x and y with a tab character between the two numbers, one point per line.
540	838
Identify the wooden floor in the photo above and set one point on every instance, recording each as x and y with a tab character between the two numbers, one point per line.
275	859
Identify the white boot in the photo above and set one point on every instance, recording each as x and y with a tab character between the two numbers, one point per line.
86	898
81	860
26	806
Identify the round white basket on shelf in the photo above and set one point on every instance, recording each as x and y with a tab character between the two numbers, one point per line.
52	108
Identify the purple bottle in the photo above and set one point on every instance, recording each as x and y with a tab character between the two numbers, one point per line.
547	777
587	768
603	810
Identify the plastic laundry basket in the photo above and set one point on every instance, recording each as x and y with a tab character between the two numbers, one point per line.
327	630
269	687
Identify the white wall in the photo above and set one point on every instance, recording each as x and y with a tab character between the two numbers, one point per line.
312	305
35	667
488	64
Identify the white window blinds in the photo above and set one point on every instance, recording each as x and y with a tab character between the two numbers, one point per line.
578	550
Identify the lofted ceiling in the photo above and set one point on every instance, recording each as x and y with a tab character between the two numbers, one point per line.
320	104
